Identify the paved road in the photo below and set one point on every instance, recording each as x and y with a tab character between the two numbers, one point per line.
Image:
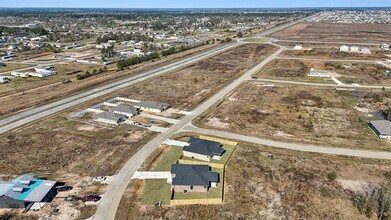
31	115
320	84
109	203
328	60
293	146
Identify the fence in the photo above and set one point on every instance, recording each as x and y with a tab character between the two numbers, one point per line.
217	201
223	141
215	165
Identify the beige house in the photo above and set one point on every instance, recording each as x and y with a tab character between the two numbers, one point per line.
152	106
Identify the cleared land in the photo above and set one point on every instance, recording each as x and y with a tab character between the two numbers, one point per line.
13	66
267	183
361	73
322	116
334	53
187	87
370	33
41	95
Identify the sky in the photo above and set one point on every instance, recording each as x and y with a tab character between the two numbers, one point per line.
193	3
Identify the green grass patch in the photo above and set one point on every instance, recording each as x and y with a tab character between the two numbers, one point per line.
256	40
171	157
155	191
213	193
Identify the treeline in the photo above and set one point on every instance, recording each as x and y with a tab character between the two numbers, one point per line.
121	65
94	72
23	31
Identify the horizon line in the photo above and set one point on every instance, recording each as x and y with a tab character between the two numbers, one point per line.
278	7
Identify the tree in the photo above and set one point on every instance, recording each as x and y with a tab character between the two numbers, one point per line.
240	34
94	72
79	77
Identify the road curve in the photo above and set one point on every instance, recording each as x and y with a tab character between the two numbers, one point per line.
293	146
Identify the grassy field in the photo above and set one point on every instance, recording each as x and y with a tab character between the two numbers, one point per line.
155	191
321	116
13	66
171	157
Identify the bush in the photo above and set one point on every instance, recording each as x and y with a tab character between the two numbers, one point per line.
332	176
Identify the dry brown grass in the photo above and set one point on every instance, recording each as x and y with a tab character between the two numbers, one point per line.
189	86
322	116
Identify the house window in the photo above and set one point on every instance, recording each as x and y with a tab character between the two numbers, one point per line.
184	191
191	187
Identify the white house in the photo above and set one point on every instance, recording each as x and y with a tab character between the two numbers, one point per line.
298	47
42	69
344	48
318	73
354	49
365	50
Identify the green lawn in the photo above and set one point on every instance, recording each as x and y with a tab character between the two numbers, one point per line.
256	40
155	191
171	157
212	193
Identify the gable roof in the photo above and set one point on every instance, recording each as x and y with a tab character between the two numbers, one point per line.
26	188
153	105
193	175
129	109
111	116
204	147
382	126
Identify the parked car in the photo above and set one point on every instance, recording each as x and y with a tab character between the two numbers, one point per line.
99	179
92	198
71	198
63	188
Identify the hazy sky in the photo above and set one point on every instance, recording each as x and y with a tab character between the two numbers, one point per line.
193	3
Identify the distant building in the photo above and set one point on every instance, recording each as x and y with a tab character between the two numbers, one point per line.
127	110
298	47
203	149
344	48
111	118
42	69
152	106
25	190
2	64
317	73
385	46
365	50
354	49
192	178
8	57
382	128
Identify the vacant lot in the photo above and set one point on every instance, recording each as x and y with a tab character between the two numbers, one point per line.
186	88
266	183
322	116
370	33
53	91
60	146
333	53
362	73
13	66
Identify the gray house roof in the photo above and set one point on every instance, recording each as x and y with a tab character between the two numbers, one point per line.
32	189
128	109
383	127
153	105
193	175
204	147
111	116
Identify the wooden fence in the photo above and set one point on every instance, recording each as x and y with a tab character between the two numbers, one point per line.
217	201
215	165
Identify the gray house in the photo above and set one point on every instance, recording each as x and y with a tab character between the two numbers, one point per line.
382	128
203	149
24	190
192	178
152	106
111	118
127	110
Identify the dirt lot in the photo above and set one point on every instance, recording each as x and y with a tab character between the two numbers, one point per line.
187	87
366	33
333	53
51	92
361	73
322	116
286	185
60	146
